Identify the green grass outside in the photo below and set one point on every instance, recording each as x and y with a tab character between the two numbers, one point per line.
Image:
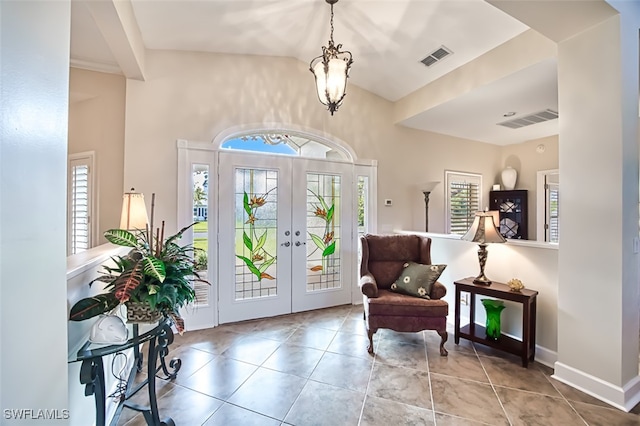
201	226
201	243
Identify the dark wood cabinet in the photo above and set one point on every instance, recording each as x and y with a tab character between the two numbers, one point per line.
512	206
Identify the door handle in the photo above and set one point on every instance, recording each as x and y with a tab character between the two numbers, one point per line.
286	244
298	243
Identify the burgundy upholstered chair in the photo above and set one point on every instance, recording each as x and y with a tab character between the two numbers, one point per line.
383	257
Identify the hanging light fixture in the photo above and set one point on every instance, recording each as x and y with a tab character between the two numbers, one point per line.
331	71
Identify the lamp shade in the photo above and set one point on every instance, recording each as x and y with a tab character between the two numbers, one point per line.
483	230
428	186
331	80
134	211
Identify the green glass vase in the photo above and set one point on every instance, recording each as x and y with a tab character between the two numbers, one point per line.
494	309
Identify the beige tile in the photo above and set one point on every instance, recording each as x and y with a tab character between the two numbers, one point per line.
219	378
311	337
505	372
229	415
172	404
191	359
354	326
401	385
573	394
253	350
350	344
402	354
457	364
447	420
293	359
433	341
405	338
531	409
467	399
320	404
600	416
215	342
383	412
268	392
344	371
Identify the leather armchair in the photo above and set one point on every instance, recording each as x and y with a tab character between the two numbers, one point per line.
383	257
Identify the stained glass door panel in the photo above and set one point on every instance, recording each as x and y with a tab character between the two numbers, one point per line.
256	211
323	232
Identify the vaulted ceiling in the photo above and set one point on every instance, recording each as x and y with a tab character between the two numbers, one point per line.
497	65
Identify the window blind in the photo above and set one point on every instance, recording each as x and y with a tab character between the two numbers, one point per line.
79	202
553	222
463	201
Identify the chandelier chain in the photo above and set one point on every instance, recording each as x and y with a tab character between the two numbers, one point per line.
331	37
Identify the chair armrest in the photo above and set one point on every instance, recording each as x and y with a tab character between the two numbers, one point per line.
368	286
438	291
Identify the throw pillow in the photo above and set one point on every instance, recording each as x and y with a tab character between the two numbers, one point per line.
417	279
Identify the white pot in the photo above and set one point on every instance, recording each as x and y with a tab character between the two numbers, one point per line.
509	177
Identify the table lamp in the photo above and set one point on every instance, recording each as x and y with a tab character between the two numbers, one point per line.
134	211
483	231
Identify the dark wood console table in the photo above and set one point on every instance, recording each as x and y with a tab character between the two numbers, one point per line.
92	373
524	348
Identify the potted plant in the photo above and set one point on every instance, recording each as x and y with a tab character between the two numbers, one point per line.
156	276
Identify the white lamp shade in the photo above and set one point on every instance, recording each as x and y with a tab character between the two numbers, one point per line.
333	83
428	186
483	229
134	212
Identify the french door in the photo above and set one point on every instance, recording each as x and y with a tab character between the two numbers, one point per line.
285	235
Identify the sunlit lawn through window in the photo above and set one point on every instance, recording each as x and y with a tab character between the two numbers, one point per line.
200	239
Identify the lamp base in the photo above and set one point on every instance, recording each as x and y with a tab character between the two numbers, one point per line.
482	279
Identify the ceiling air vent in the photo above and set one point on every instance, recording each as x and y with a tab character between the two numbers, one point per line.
538	117
436	56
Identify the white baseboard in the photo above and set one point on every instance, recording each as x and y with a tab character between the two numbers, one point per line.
623	398
546	356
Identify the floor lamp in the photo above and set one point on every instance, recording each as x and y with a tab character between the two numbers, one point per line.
426	190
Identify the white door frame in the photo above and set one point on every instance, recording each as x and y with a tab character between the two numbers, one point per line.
192	151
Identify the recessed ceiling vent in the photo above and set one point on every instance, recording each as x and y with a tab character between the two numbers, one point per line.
436	56
538	117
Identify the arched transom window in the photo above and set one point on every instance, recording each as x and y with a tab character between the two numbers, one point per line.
285	144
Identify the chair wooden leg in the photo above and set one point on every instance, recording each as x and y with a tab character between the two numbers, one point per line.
444	336
370	347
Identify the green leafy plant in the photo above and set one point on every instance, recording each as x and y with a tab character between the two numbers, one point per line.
259	259
156	271
325	243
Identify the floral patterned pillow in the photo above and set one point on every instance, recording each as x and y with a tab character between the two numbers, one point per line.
417	279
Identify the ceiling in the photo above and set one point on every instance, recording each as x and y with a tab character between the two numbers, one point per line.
388	39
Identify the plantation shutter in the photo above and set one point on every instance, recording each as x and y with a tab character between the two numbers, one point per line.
553	226
79	205
463	201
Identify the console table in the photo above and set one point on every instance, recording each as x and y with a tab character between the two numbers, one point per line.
524	348
92	373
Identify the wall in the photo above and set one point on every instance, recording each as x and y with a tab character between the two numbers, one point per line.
96	123
535	264
527	161
33	143
82	268
195	96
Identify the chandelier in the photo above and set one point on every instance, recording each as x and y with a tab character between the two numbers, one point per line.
331	71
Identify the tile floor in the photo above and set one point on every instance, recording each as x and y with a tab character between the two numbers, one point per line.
312	368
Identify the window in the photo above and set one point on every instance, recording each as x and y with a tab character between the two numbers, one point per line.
548	206
79	209
463	200
553	226
292	144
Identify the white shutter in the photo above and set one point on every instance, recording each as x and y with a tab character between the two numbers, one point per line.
79	204
553	224
463	200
